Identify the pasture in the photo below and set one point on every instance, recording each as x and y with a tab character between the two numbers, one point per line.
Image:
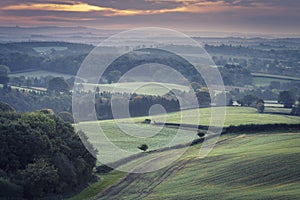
49	49
234	116
39	73
148	88
128	134
254	166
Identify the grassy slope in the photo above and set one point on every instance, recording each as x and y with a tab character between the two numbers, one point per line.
241	154
234	116
258	166
149	88
162	137
265	81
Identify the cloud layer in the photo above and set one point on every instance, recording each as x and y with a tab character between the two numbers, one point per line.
226	15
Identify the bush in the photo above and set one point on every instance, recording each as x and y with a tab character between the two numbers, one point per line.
143	147
200	134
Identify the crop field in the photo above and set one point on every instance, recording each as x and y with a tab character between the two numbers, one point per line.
276	76
263	80
154	137
49	49
248	166
234	116
129	134
149	88
251	166
40	73
258	166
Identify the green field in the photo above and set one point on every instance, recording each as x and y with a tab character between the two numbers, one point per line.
40	73
262	165
158	137
276	76
253	166
133	133
149	88
234	116
154	137
265	81
49	49
258	166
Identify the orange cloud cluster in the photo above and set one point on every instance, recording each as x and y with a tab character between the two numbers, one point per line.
190	6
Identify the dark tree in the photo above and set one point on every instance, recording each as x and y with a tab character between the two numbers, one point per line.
296	108
200	134
143	147
4	70
260	107
248	100
58	84
287	98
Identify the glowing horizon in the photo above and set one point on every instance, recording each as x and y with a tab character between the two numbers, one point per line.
223	15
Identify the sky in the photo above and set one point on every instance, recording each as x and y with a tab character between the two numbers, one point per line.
242	16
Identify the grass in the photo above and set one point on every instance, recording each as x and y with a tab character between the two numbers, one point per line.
276	76
253	166
258	166
105	181
130	136
234	116
261	165
49	49
265	81
149	88
40	73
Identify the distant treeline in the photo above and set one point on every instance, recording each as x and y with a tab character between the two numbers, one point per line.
67	57
139	105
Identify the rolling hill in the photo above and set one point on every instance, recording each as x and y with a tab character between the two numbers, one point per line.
258	166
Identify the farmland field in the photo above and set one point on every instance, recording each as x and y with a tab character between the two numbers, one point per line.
39	73
265	81
149	88
234	116
262	167
49	49
254	166
158	137
154	137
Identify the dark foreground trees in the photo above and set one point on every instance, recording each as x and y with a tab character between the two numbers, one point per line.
40	155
